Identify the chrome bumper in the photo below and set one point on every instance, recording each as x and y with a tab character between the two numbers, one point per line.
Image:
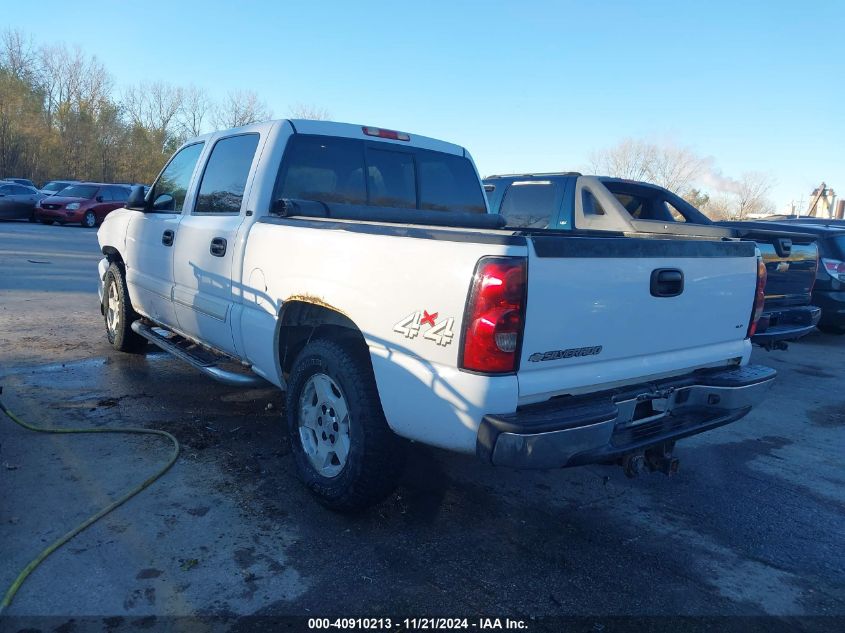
573	431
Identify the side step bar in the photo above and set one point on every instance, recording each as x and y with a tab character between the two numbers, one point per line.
193	354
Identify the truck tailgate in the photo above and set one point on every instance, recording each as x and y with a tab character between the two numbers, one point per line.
609	310
791	259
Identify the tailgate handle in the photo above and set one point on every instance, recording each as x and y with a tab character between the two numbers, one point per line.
783	246
667	282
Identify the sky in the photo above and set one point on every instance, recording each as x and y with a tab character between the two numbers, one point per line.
526	87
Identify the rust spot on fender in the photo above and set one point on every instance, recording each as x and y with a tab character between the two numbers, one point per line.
319	301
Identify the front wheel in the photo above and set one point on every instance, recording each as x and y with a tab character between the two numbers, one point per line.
89	220
118	313
344	450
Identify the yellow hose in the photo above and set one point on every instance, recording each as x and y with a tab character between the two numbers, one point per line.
13	588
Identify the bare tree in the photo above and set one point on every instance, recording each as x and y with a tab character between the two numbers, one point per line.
241	107
196	106
308	111
154	106
17	54
671	166
630	158
752	195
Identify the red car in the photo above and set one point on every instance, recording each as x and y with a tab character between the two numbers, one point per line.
86	203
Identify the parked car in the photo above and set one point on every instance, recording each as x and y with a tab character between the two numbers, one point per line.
17	202
85	203
358	269
829	291
55	186
554	201
22	181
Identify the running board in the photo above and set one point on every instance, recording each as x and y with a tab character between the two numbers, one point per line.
195	355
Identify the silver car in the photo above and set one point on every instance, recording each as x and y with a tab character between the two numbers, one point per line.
17	202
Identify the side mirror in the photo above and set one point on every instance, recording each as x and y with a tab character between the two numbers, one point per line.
136	200
99	198
164	202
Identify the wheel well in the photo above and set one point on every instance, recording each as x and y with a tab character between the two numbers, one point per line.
300	322
112	254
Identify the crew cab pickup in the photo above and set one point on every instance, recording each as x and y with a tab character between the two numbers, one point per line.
791	257
359	270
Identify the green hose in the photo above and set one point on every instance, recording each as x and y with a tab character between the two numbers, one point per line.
13	588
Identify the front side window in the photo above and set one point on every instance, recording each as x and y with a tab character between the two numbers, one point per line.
169	191
119	194
105	194
530	204
226	172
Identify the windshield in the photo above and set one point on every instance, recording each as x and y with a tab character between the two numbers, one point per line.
54	186
80	191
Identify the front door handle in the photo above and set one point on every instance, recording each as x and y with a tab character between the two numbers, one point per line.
667	282
218	247
167	237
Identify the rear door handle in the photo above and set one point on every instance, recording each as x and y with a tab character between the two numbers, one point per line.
167	237
667	282
218	247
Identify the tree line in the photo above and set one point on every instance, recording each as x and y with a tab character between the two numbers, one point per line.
688	174
61	116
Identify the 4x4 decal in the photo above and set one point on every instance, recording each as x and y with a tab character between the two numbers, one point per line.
438	331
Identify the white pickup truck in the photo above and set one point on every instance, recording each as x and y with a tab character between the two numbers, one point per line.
358	270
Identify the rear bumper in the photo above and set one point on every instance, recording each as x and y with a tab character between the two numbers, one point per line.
786	324
573	431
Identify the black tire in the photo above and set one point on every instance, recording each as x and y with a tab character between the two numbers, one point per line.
376	456
831	329
46	221
89	220
121	336
32	217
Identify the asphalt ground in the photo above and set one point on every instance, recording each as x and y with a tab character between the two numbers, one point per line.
752	525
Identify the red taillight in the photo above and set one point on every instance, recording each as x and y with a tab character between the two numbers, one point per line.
391	134
834	268
495	315
759	297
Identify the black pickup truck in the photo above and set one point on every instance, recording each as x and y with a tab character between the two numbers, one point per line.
563	201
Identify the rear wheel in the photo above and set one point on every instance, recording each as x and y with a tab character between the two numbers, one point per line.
89	220
344	450
118	313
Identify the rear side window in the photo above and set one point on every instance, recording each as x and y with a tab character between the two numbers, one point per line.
169	191
226	172
530	204
351	171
